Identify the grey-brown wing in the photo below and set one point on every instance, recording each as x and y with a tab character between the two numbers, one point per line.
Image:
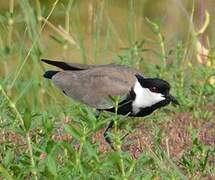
94	86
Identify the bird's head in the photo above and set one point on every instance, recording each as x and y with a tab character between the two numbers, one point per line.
151	91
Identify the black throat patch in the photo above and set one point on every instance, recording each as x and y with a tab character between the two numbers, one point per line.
148	110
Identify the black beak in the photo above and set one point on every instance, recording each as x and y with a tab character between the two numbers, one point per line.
172	99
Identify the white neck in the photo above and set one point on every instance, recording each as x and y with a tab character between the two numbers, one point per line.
144	98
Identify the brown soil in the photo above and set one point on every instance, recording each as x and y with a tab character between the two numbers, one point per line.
176	137
175	140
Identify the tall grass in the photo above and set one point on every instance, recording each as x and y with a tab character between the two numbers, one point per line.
45	135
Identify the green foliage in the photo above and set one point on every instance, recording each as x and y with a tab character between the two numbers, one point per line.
196	159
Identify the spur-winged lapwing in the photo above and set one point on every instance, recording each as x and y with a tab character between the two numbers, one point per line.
95	84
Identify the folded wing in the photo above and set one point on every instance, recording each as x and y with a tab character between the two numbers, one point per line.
94	86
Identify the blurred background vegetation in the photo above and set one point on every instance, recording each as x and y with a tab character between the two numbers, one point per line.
46	135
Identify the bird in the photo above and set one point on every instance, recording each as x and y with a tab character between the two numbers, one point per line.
93	85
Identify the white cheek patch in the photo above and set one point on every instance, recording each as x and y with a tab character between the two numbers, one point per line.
144	98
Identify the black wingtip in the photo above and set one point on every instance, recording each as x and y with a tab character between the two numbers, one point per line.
62	65
48	61
50	74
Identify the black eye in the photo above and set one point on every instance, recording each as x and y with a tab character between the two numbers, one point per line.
153	89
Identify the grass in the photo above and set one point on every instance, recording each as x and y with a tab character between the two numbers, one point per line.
45	135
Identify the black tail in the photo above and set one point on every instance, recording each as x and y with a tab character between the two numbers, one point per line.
50	74
64	65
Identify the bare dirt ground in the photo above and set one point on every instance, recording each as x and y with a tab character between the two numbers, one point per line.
176	138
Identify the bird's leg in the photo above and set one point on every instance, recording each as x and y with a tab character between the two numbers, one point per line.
124	136
106	135
128	131
98	113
